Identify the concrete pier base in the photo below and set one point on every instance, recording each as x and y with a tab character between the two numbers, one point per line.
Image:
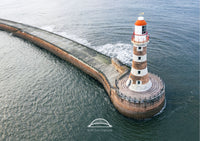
140	105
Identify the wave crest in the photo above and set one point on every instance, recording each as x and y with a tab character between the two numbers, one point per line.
121	51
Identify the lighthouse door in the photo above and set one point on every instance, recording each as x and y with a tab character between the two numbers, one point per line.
128	83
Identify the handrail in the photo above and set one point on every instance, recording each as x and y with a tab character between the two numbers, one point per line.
146	100
134	100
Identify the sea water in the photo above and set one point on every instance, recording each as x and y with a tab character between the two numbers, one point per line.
43	97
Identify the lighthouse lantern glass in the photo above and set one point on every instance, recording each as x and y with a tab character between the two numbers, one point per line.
144	29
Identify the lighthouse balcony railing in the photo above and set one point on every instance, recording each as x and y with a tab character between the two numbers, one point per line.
151	99
140	41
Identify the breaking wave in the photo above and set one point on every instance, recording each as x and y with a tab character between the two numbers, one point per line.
121	51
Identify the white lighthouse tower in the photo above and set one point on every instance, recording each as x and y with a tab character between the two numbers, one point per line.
140	94
139	78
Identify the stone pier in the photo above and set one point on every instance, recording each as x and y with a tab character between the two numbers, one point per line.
111	73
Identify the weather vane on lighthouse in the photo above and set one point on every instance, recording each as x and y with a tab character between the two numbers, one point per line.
141	14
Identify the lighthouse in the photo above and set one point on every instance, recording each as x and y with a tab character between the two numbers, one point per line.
139	78
140	94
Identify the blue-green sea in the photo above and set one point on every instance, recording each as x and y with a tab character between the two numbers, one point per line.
43	97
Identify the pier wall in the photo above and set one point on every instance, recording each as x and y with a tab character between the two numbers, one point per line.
136	110
60	53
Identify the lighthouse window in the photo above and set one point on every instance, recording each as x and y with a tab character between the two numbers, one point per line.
139	58
138	82
139	72
143	29
139	48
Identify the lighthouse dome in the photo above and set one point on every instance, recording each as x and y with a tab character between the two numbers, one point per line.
140	21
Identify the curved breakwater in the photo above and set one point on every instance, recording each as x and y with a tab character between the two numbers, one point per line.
95	64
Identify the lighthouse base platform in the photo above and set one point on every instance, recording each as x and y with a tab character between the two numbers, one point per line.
140	105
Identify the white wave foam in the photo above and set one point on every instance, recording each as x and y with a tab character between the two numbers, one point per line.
49	28
121	51
74	38
161	109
